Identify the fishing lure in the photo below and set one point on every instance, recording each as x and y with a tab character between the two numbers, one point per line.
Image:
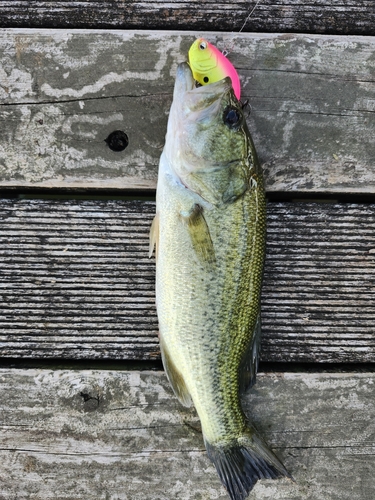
209	65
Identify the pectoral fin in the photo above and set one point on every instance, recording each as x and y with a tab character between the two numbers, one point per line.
250	362
154	237
199	234
174	376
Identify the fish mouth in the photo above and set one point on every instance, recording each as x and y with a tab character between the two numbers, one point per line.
198	98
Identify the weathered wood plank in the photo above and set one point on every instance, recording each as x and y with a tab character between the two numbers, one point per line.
77	282
63	92
309	16
110	434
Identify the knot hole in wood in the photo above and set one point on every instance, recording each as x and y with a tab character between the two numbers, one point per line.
117	140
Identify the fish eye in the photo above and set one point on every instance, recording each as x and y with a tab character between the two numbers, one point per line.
232	117
203	45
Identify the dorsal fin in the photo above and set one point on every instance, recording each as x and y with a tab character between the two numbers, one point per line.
250	362
154	237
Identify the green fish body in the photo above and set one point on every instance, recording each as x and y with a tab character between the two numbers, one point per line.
209	233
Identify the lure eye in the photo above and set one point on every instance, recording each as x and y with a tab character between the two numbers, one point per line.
232	117
203	45
206	79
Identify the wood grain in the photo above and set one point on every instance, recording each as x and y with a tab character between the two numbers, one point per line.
64	91
112	434
309	16
77	282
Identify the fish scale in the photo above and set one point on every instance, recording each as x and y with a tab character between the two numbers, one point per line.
209	233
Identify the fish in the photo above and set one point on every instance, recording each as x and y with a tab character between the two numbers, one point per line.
209	65
209	234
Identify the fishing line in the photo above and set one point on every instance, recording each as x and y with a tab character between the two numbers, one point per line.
227	50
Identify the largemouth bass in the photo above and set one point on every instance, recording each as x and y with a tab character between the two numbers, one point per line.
209	232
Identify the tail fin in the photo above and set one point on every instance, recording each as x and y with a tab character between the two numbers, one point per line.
242	463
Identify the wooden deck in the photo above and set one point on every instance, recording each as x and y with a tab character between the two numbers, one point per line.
85	434
354	17
85	409
64	92
78	283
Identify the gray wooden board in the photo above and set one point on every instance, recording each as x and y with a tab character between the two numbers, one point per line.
309	16
133	441
63	92
77	282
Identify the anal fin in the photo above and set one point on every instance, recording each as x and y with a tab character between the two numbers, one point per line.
174	376
199	235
